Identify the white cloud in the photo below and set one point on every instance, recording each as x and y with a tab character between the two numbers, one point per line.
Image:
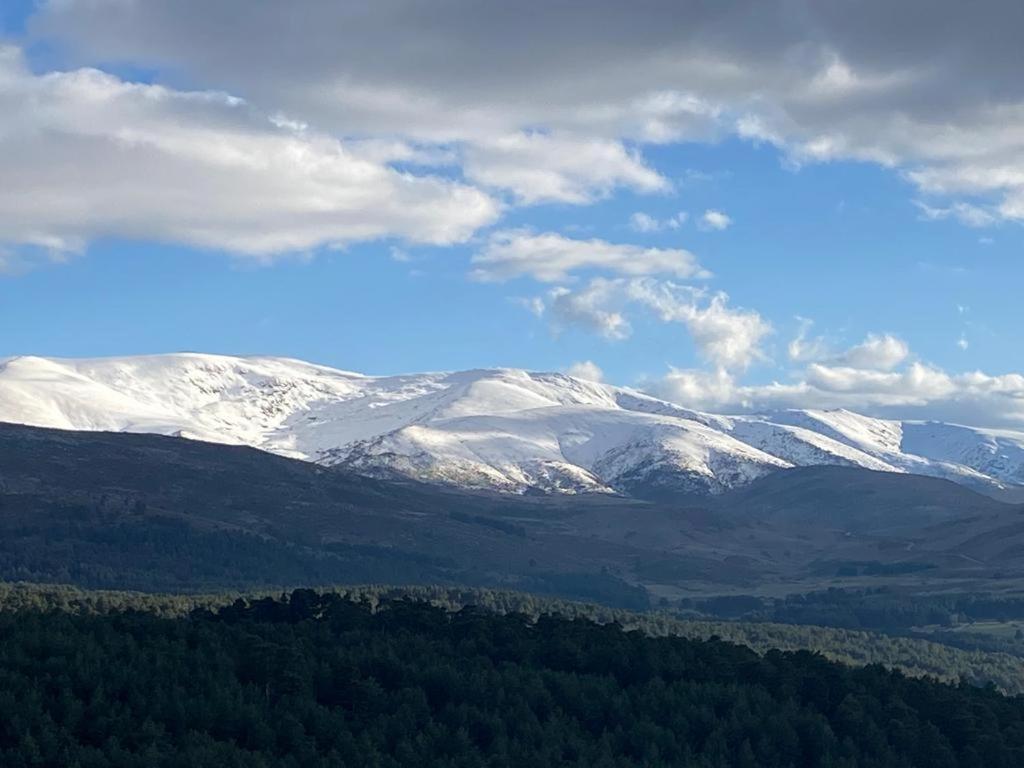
84	154
728	338
915	384
645	223
876	352
877	376
821	81
803	347
587	370
714	220
641	222
542	168
675	222
914	390
965	213
535	305
698	389
962	343
592	308
550	257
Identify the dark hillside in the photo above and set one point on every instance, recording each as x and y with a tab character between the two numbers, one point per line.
320	681
152	513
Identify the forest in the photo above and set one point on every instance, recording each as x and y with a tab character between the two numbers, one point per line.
320	679
914	656
883	608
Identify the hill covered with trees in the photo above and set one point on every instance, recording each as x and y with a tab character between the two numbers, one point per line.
915	657
321	680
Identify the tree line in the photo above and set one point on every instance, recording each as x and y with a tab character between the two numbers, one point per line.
916	657
324	680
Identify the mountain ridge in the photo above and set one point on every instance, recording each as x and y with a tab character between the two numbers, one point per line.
499	429
162	513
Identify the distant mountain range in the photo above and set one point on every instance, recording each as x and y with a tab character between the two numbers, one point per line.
502	429
158	513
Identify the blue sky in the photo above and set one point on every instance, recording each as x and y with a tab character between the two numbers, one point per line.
840	243
842	248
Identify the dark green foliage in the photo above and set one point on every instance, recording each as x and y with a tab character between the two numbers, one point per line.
913	656
882	608
168	555
318	680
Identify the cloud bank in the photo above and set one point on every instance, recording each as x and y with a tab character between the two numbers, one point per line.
932	89
84	154
875	377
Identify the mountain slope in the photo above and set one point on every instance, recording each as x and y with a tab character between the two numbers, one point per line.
964	454
146	511
502	429
856	501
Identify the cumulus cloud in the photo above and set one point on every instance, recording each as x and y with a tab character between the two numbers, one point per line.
551	257
914	384
726	337
542	168
715	220
912	390
587	370
84	154
918	390
594	308
695	388
876	352
879	376
822	81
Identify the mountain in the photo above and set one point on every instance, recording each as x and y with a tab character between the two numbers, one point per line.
850	500
158	513
503	429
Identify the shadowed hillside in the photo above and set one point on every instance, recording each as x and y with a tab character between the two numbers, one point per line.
168	514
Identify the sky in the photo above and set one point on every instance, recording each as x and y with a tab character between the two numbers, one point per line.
735	206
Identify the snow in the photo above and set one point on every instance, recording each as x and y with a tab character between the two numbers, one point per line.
503	429
804	447
989	452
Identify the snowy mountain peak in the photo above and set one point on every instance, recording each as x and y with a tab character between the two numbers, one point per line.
504	429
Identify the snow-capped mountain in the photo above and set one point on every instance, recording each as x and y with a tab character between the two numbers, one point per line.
502	429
